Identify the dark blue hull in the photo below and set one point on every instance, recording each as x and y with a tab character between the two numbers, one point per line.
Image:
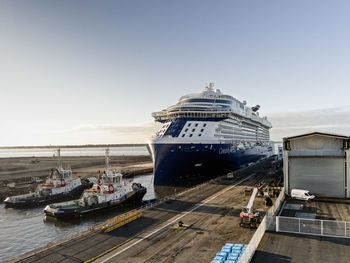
184	164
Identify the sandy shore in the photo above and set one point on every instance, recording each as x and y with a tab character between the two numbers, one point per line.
16	173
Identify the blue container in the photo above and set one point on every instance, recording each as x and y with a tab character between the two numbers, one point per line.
230	261
217	261
226	250
229	245
230	257
222	254
234	250
220	258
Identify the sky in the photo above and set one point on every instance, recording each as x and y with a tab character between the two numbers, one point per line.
79	72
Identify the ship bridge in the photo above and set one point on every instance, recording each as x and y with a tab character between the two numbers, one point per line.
210	104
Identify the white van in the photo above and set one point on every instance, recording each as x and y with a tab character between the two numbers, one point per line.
301	194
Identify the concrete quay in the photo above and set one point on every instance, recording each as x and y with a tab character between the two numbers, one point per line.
213	208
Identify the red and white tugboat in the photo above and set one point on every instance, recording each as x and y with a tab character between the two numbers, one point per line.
59	186
108	192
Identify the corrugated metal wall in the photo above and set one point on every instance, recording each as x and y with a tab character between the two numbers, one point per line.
322	176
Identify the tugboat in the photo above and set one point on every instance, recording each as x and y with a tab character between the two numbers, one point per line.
108	192
59	186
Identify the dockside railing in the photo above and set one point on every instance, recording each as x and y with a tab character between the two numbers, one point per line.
317	227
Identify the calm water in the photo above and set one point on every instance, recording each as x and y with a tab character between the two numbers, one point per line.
24	230
91	151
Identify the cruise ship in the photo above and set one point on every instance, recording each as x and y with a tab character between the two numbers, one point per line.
207	134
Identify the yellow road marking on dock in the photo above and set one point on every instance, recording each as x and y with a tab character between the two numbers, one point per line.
107	251
121	220
155	231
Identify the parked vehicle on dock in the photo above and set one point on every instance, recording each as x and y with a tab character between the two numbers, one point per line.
249	218
301	194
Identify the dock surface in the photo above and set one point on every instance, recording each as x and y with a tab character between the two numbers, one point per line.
295	248
289	247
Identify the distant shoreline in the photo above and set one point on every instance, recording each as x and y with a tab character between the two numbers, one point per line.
73	146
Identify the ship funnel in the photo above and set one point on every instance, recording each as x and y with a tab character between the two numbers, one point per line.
256	108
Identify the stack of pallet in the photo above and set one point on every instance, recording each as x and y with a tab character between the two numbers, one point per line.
230	253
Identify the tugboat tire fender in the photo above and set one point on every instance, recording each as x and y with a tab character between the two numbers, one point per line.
111	188
63	182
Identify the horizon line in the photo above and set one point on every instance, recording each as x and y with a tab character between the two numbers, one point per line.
74	146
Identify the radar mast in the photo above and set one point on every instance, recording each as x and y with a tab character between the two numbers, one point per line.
209	86
59	160
108	166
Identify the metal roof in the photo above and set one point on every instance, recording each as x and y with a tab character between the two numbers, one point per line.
338	136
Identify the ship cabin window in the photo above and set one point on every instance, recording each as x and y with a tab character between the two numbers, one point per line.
189	125
204	124
202	130
200	135
191	135
183	135
193	130
186	130
196	125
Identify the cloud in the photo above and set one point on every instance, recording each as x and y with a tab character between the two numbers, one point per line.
334	120
109	134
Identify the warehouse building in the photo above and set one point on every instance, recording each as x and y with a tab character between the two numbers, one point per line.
318	162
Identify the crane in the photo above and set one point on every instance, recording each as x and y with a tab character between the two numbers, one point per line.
249	217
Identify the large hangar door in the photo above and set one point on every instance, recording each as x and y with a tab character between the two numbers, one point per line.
323	176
